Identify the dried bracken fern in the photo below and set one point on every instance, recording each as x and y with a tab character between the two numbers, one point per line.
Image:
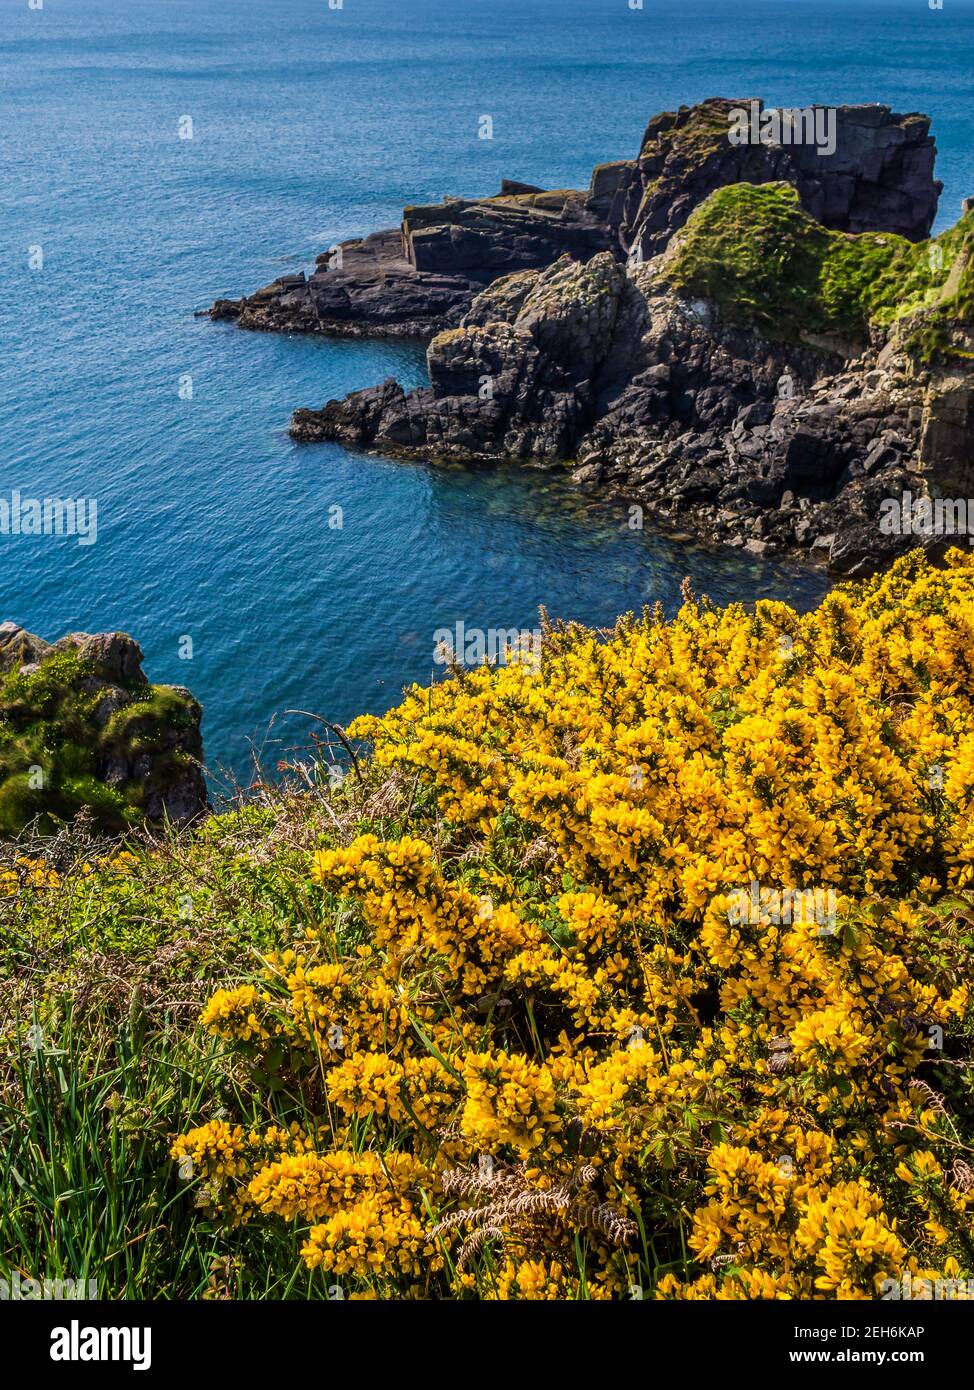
512	1209
539	853
962	1175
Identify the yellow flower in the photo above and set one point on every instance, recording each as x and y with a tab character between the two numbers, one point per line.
669	923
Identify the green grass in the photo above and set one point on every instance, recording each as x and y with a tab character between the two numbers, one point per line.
102	978
768	265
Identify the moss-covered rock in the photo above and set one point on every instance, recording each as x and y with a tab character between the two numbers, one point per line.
768	265
878	176
80	726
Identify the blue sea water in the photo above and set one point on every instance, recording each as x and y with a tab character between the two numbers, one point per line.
312	124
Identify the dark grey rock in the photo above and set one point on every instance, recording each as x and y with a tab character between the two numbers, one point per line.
880	177
558	341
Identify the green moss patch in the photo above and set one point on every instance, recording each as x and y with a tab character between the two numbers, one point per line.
768	265
55	750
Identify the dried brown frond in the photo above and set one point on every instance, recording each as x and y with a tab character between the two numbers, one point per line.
780	1050
963	1175
540	852
934	1097
506	1205
475	1242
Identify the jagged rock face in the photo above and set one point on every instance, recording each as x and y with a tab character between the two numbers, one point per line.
80	726
947	436
766	446
519	387
769	446
421	278
879	178
495	236
376	292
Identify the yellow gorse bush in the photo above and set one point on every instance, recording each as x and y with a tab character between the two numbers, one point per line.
662	986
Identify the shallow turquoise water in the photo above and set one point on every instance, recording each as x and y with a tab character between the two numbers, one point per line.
311	125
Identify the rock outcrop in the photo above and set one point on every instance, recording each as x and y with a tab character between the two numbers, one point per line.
422	277
764	381
878	178
519	387
362	289
749	337
80	726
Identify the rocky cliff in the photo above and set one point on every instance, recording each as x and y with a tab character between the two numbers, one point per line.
764	380
518	379
422	277
760	343
80	726
879	176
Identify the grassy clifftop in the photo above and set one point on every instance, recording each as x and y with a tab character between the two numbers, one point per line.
755	252
642	969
